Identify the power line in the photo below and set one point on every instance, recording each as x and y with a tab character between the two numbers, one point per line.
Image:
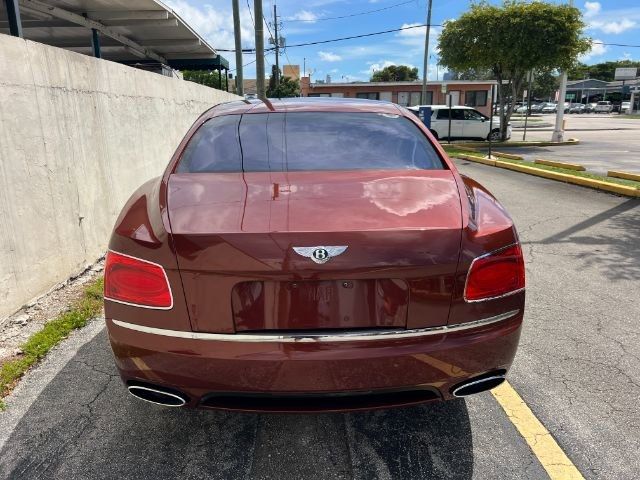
350	15
616	44
409	27
383	32
252	20
248	63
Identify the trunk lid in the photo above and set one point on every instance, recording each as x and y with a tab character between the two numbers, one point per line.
234	235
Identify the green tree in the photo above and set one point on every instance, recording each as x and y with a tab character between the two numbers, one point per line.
210	78
287	88
511	40
472	74
395	73
545	84
600	71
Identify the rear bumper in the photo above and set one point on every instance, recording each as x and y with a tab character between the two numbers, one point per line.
388	366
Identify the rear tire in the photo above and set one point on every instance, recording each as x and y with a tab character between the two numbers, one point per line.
494	135
435	134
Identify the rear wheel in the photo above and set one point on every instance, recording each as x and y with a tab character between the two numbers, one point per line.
435	134
494	136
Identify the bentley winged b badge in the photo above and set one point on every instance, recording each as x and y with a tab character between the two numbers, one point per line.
320	254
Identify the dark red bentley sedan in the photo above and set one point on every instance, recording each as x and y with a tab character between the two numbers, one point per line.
312	255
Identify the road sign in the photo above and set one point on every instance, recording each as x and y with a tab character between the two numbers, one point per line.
570	96
626	73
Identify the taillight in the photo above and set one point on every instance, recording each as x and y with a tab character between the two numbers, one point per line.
496	274
137	282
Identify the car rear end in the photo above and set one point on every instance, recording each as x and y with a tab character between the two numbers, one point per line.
312	257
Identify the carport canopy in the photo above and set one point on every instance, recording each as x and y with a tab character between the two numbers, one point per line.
126	31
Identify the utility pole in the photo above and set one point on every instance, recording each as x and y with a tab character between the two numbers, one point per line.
259	34
558	131
426	55
236	34
277	40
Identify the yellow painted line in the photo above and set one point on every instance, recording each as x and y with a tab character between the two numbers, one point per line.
539	439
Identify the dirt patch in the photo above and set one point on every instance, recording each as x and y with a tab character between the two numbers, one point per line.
17	328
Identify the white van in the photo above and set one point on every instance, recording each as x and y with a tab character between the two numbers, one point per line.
604	107
466	123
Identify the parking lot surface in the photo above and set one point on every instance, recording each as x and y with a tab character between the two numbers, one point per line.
607	142
578	369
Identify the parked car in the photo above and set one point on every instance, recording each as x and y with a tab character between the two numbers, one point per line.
604	106
466	123
549	108
305	256
591	107
577	108
625	106
536	107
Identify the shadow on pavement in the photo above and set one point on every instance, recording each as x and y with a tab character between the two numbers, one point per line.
85	425
616	252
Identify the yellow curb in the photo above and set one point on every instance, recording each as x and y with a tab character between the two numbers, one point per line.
625	175
510	156
472	158
553	163
545	448
468	149
563	177
515	143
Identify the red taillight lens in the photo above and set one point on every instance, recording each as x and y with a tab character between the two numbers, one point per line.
136	282
496	274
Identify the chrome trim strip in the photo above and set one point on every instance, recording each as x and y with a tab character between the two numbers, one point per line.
347	336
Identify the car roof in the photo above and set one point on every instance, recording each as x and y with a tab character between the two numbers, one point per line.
303	104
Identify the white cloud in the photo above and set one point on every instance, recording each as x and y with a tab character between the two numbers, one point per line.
592	9
329	56
412	32
214	24
304	15
615	27
597	50
610	21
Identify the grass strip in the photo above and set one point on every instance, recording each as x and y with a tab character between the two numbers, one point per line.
51	334
454	152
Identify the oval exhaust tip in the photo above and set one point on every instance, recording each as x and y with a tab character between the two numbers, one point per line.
477	386
158	397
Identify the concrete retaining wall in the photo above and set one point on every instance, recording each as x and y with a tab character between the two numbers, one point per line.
77	136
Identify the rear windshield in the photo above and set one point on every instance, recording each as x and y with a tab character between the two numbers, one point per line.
307	141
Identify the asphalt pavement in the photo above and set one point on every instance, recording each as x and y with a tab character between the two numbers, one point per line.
578	369
607	142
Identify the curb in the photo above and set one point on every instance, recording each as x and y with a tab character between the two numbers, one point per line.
624	175
553	163
563	177
510	156
512	144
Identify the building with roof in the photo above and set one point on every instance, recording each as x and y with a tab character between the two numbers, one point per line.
142	33
472	93
592	90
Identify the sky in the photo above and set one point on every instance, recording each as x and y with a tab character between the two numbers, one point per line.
609	21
